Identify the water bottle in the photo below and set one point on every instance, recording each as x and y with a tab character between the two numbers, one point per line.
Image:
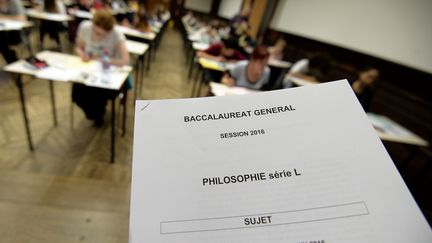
106	62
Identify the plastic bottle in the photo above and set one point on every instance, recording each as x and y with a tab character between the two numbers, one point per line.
106	63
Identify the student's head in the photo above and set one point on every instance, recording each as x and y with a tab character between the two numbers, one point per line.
142	10
103	23
368	76
319	62
86	3
280	43
230	45
259	59
50	6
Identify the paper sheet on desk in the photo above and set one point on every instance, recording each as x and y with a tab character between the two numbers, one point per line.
295	165
57	74
11	24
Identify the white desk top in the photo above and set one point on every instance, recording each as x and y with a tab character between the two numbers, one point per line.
65	67
33	13
136	33
11	25
279	63
199	46
136	48
81	14
389	130
219	89
89	15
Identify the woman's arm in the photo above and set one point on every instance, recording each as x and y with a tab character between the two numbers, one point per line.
80	50
124	55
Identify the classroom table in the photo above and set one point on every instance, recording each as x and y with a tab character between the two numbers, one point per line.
139	49
51	17
279	63
219	89
55	17
65	68
389	130
146	37
14	25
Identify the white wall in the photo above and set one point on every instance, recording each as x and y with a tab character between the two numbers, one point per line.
229	8
396	30
199	5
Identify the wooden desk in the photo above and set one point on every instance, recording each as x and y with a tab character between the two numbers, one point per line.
139	49
65	67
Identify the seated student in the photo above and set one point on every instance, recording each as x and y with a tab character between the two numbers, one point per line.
225	51
95	39
139	20
51	27
313	69
82	5
253	74
365	85
277	51
13	10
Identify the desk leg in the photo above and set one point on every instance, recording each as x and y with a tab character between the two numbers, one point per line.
195	84
149	53
141	73
124	113
191	63
24	111
136	83
53	106
113	129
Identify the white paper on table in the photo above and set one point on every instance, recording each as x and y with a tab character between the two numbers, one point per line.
343	185
56	73
11	24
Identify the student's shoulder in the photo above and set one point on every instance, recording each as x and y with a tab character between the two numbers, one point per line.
86	25
241	64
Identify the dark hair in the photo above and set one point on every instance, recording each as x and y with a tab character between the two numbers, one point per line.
230	43
50	6
261	52
320	61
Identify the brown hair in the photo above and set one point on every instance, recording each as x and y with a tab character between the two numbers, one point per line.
260	53
104	19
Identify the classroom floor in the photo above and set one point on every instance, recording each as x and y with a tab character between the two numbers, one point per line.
66	190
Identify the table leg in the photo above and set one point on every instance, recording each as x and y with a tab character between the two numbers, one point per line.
113	128
24	111
149	53
53	106
141	72
137	65
124	114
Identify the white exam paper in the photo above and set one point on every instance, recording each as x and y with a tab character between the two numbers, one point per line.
343	186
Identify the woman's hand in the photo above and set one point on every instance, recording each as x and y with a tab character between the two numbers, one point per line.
228	80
